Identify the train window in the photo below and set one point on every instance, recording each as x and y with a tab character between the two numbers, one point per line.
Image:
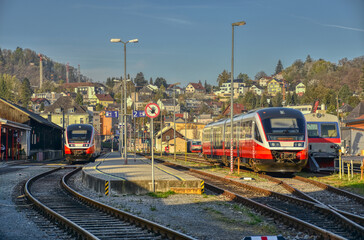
328	130
257	134
248	129
312	129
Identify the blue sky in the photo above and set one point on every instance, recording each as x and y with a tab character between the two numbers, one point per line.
183	41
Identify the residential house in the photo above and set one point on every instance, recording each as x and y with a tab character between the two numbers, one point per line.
168	105
263	82
104	99
87	89
238	108
38	102
50	96
65	111
300	89
256	90
239	88
274	86
192	103
195	88
171	88
204	118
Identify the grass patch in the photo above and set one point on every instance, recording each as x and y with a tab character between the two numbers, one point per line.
161	194
153	208
352	185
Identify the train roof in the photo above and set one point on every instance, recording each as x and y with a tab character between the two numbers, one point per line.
80	125
261	111
321	117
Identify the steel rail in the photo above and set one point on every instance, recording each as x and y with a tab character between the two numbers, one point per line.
308	201
152	226
78	230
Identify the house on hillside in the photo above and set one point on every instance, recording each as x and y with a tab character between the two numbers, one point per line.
258	91
88	90
168	105
274	87
263	82
195	88
238	108
50	96
65	111
104	99
300	89
171	88
38	102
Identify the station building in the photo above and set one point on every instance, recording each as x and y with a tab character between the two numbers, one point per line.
26	135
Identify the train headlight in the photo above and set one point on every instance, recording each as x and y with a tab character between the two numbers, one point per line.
85	145
72	145
274	144
298	144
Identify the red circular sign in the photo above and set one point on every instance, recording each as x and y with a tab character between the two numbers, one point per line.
152	110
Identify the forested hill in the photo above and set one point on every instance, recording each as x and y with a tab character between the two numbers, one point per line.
24	63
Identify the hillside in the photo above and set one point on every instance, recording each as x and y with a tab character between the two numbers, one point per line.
24	63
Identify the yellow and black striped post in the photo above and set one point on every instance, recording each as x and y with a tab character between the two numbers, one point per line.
107	188
202	187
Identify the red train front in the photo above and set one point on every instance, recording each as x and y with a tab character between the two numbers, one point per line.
268	140
80	144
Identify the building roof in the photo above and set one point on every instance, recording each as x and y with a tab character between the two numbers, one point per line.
235	81
39	100
357	112
82	84
197	86
32	115
104	97
238	108
65	102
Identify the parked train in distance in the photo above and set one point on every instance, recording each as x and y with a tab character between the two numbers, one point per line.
265	140
82	143
324	140
194	146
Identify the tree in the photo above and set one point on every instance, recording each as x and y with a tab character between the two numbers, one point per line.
223	77
79	98
25	92
41	108
308	59
99	107
277	100
244	76
260	75
279	67
110	82
139	79
159	81
362	80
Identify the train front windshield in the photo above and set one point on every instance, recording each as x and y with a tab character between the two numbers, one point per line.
79	135
196	142
284	129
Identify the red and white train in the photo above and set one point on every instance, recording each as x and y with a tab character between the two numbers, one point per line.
324	141
82	143
267	140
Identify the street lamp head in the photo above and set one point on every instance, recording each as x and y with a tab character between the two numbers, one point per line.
238	23
133	40
115	40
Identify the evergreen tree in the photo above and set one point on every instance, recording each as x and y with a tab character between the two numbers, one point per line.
25	92
41	108
279	67
4	90
140	80
223	77
277	100
79	98
308	59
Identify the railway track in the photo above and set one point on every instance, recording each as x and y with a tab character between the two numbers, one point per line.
305	214
86	218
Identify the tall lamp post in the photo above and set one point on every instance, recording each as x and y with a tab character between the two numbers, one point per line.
117	40
232	96
174	119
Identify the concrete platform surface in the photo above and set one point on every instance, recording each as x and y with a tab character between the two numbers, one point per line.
135	176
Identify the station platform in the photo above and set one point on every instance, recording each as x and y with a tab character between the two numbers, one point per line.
135	176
